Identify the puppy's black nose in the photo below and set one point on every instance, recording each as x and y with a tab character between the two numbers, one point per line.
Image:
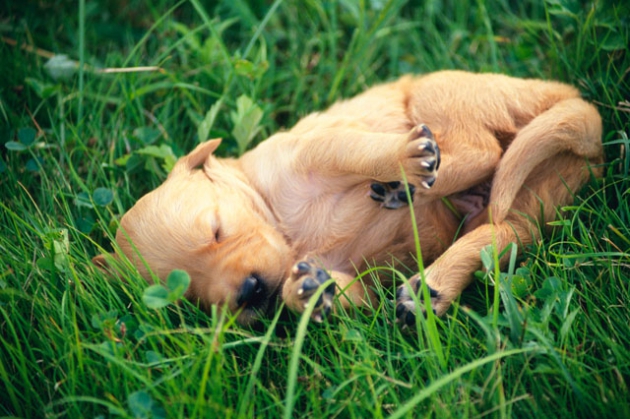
252	292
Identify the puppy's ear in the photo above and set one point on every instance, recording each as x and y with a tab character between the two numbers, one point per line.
197	157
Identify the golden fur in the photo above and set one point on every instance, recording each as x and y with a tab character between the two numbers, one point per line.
297	207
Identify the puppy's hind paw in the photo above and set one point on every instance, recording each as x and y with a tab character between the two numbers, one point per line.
305	280
406	307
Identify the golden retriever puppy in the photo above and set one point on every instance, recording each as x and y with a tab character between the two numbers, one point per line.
488	159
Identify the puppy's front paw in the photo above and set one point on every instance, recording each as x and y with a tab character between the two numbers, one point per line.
305	279
423	155
392	195
405	304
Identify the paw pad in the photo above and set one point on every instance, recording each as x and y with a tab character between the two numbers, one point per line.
393	195
405	305
309	278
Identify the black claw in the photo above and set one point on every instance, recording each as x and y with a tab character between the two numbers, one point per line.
322	276
400	309
425	132
439	160
410	318
303	268
330	289
309	284
430	147
430	182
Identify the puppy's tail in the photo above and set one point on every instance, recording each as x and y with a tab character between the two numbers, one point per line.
571	125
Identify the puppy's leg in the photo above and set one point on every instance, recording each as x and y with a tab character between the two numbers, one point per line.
540	171
307	278
465	158
357	155
570	126
448	276
551	185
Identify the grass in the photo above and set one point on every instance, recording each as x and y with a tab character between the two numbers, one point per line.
548	337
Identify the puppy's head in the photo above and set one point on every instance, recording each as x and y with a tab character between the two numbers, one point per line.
211	223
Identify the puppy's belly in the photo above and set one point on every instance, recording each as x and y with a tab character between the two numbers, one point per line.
350	232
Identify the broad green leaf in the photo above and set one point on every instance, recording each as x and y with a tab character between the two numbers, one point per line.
109	347
191	38
550	289
521	282
567	323
147	135
156	296
27	135
153	357
46	263
57	244
163	153
352	335
104	320
83	200
122	161
84	224
250	70
143	330
103	196
34	165
60	67
15	146
487	257
206	125
246	122
42	89
142	406
177	283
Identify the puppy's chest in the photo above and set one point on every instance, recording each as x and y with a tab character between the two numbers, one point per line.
311	204
321	215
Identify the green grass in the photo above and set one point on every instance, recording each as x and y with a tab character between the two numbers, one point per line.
550	341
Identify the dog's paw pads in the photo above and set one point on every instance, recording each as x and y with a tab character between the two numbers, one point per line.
405	304
309	278
392	195
424	154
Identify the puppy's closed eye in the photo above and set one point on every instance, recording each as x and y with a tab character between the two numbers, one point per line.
208	226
